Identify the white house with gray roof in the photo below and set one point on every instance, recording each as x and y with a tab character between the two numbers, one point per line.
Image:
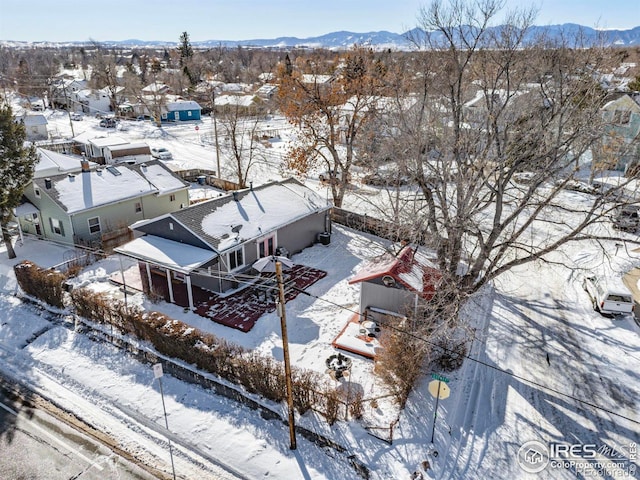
80	207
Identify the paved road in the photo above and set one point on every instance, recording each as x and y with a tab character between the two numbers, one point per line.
35	445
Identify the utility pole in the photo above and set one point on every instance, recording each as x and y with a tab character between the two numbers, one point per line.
285	349
215	130
157	373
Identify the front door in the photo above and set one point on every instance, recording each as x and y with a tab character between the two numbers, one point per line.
267	246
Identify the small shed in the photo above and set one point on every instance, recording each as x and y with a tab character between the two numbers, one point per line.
395	283
128	153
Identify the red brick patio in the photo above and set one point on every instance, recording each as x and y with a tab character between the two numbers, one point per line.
240	309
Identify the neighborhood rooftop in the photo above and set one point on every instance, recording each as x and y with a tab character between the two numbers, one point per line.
85	190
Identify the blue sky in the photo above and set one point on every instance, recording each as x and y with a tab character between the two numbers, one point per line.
64	20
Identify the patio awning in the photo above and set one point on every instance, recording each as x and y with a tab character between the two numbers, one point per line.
167	253
25	208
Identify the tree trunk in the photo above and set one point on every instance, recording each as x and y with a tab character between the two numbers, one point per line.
7	241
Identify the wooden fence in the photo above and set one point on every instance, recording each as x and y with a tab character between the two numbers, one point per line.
208	177
380	228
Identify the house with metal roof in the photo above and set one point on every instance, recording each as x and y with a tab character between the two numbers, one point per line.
212	244
82	207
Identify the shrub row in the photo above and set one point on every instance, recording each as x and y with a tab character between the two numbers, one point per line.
45	285
257	374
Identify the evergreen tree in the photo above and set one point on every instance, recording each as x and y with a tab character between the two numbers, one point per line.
16	169
186	56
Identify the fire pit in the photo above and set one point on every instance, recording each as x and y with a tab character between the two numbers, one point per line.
338	365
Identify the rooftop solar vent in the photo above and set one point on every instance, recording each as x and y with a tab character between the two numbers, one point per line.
114	171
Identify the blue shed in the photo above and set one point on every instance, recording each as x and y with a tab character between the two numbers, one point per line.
181	111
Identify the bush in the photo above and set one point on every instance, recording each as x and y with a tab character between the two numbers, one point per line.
45	285
451	354
332	406
399	363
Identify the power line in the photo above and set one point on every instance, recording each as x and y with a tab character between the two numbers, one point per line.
251	279
473	359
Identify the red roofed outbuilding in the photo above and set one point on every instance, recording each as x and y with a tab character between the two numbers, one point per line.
394	283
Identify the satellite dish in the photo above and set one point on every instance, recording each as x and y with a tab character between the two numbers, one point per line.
388	280
236	228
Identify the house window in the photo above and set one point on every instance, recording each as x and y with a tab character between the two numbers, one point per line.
236	259
138	207
621	117
36	190
94	225
189	113
172	197
266	247
56	226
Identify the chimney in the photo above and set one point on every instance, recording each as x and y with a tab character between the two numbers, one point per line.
47	183
84	163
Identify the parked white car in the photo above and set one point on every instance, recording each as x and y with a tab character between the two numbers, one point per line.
161	153
608	295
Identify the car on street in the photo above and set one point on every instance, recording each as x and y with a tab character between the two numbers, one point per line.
161	153
75	116
108	123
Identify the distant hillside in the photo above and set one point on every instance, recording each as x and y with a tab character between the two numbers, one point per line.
379	40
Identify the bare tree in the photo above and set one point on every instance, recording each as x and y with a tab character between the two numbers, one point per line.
329	113
241	138
497	128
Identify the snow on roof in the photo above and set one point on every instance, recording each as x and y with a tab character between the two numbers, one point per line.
26	208
161	178
129	146
239	100
107	141
311	78
183	105
33	120
226	222
412	268
75	193
262	210
53	163
167	253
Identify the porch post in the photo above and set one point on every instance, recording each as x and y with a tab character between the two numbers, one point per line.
168	272
148	268
189	292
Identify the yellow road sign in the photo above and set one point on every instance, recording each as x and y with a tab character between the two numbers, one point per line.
439	389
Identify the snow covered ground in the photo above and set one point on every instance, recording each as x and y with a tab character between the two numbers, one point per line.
545	367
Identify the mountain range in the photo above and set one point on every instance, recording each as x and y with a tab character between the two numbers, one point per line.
380	39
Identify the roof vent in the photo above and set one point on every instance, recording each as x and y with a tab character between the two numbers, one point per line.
72	177
47	183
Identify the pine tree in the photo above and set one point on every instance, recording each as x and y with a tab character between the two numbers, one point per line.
16	169
186	55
